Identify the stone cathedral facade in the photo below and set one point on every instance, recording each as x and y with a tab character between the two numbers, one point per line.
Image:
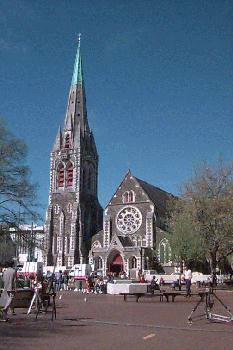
134	229
74	214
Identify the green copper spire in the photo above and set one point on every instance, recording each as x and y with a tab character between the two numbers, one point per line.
77	77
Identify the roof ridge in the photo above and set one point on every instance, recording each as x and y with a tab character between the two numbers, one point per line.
147	183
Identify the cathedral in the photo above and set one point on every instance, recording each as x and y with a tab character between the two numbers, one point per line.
132	230
74	214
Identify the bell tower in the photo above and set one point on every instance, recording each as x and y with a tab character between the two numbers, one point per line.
74	214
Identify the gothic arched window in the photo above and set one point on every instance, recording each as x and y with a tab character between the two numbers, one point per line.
162	254
89	178
99	263
132	262
69	174
128	197
60	178
131	196
164	251
125	197
67	141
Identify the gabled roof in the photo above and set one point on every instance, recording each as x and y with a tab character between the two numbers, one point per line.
157	196
97	237
125	241
119	241
128	173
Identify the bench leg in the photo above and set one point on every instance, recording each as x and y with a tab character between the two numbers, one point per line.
54	311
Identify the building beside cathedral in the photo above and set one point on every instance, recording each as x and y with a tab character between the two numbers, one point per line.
74	214
133	230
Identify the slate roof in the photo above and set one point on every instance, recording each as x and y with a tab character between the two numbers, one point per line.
125	241
156	195
98	237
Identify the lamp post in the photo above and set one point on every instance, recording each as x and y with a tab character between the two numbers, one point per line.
142	258
93	258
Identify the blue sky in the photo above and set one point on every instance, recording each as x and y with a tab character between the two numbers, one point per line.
158	77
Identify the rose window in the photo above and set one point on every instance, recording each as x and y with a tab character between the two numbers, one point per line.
128	220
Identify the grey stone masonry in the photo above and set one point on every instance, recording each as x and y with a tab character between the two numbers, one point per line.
132	219
74	214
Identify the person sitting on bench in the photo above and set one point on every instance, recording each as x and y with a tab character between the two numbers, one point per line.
154	285
176	284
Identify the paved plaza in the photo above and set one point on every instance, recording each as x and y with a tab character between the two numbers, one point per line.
106	322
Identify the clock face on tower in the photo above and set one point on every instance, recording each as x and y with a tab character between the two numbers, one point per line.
129	220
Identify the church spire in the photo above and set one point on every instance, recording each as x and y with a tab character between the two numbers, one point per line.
77	77
73	181
76	115
58	140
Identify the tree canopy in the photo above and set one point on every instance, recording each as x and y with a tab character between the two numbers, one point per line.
201	220
17	193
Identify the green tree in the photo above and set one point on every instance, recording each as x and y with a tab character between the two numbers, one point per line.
201	221
17	193
184	238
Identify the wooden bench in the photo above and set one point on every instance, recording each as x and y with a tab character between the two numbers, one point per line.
22	298
174	294
167	294
139	295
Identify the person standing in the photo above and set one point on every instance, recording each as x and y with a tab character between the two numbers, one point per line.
58	280
65	279
9	280
142	279
188	278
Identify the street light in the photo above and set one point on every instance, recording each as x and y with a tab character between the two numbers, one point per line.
142	249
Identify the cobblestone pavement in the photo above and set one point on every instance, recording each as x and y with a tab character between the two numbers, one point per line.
106	322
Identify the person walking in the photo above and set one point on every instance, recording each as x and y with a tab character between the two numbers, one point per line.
9	280
58	281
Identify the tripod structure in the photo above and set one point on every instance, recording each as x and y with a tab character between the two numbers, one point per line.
36	299
41	300
210	297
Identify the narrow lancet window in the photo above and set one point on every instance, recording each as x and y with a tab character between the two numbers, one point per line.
69	174
67	141
125	197
131	196
61	175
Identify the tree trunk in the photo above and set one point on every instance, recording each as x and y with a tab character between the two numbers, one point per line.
181	263
213	265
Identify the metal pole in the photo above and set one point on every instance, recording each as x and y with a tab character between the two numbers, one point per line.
142	259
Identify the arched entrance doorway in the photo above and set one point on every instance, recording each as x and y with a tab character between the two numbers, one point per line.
115	262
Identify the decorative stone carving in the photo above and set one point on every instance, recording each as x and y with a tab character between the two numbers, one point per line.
129	220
